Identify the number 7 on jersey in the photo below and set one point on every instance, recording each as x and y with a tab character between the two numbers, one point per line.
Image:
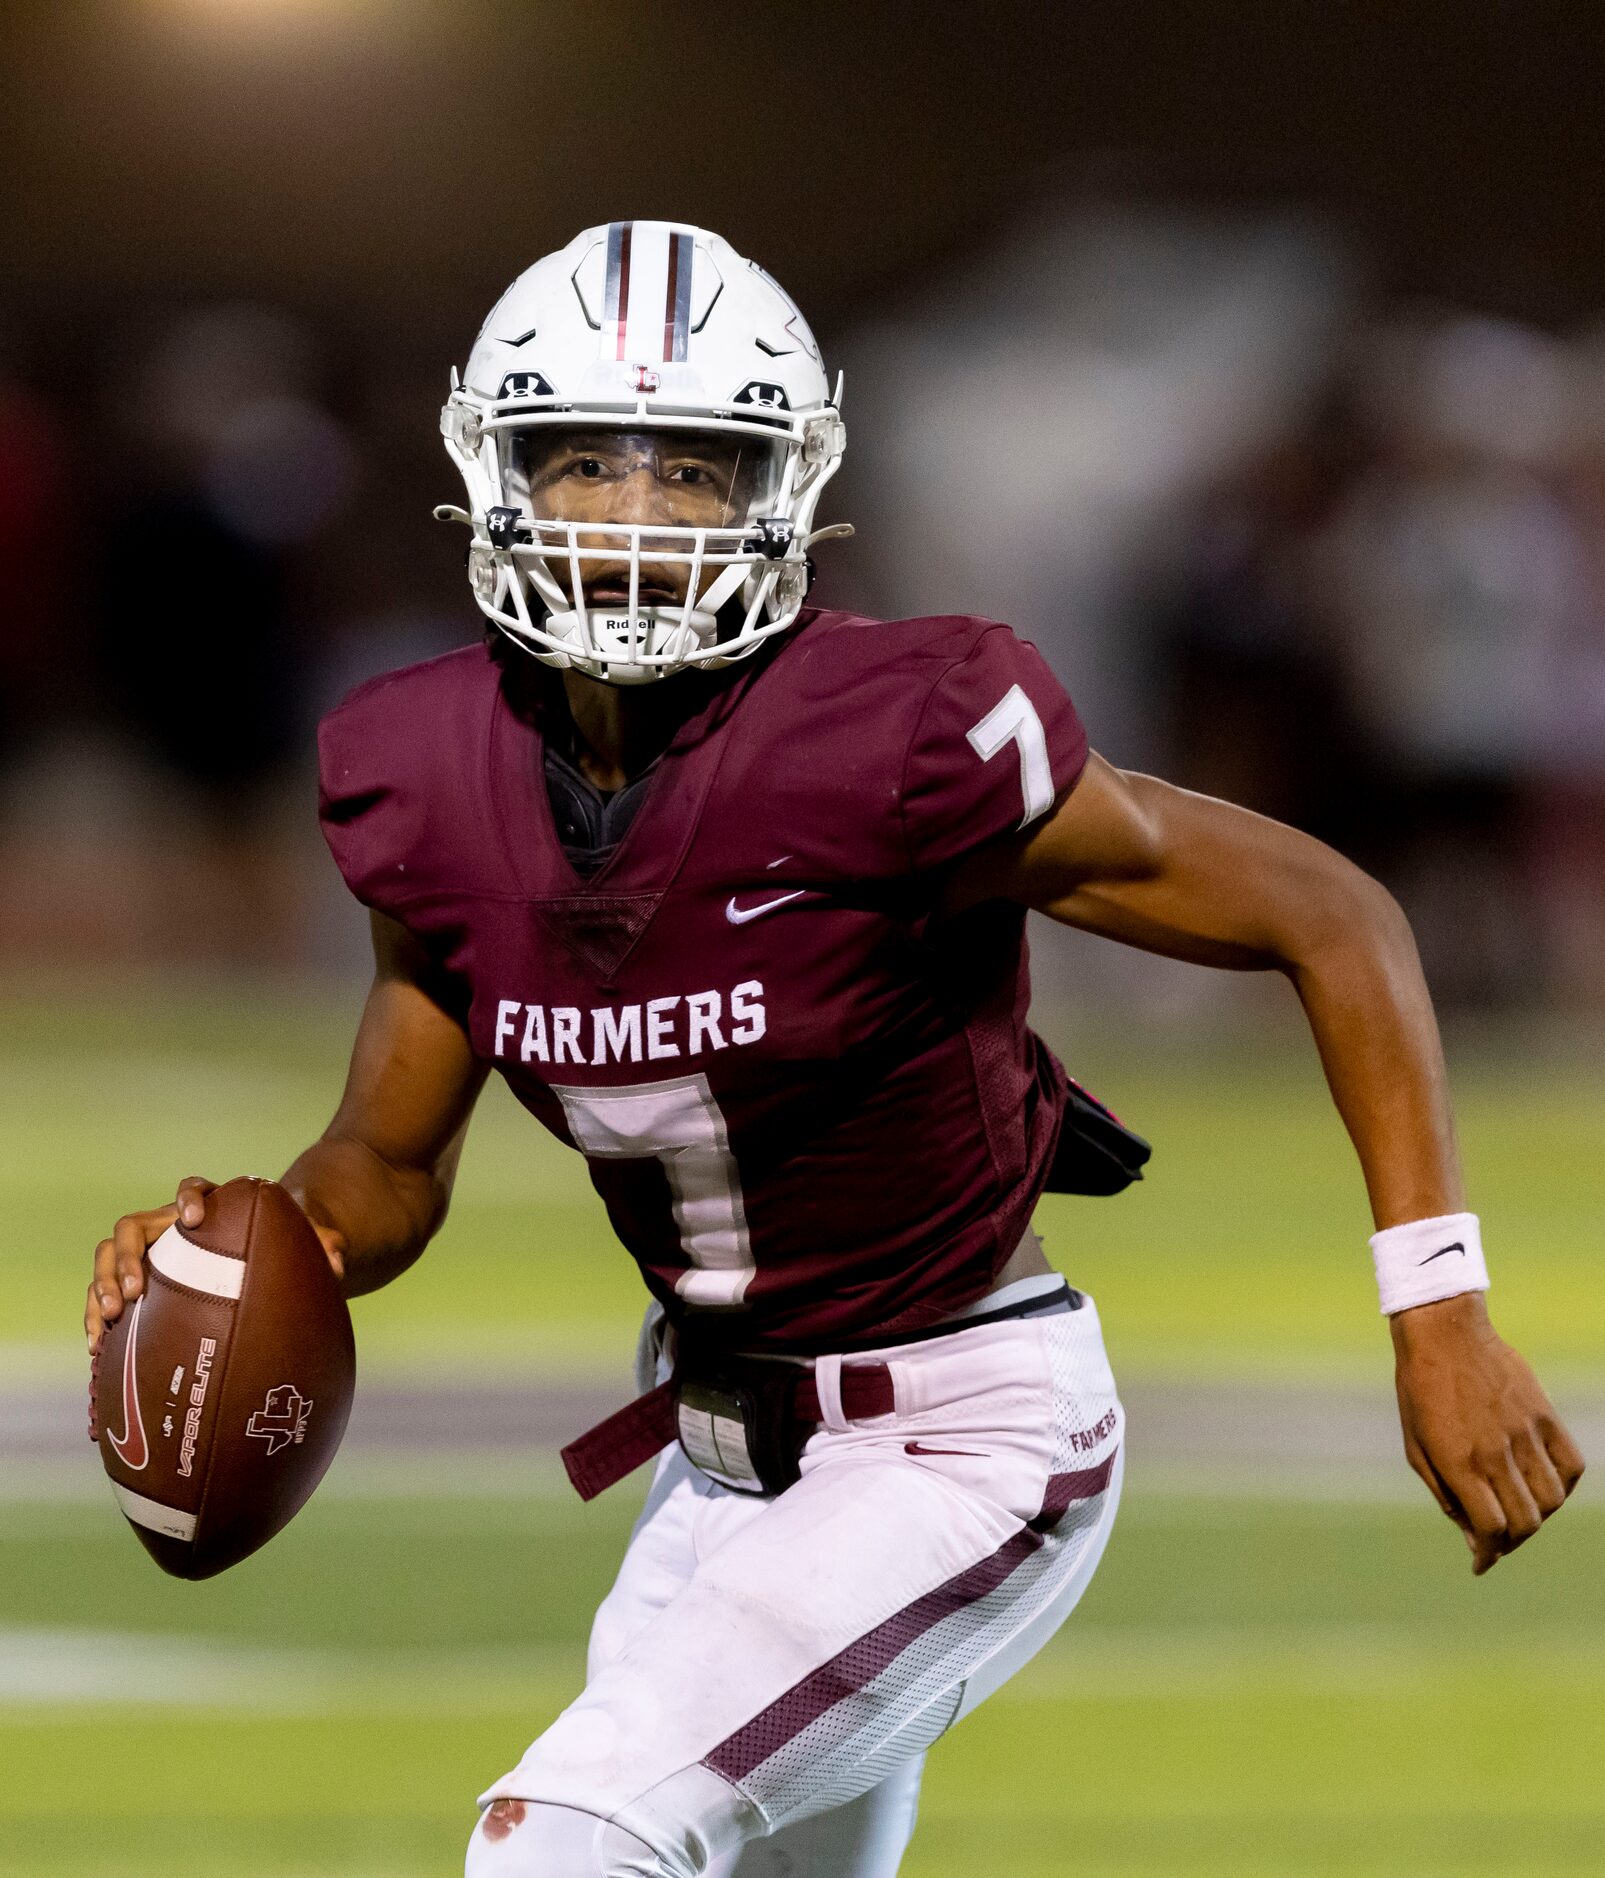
1013	719
678	1124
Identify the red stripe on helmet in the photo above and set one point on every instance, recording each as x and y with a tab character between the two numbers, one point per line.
622	316
677	297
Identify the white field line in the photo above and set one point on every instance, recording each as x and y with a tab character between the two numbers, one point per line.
35	1487
53	1669
578	1351
1370	1660
586	1350
67	1668
441	1475
1242	1443
59	1668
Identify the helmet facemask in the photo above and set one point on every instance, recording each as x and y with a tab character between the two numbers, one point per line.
640	545
632	546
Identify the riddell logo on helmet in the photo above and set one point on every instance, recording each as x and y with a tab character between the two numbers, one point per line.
282	1418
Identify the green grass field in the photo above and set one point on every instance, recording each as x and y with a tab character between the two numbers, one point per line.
1257	1682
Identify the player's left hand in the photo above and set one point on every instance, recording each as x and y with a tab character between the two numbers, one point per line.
1478	1428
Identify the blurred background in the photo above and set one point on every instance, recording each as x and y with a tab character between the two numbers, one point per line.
1251	360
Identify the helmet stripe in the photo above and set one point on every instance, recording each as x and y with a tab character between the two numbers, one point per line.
677	299
616	300
610	293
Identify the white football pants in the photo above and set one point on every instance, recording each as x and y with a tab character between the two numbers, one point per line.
766	1675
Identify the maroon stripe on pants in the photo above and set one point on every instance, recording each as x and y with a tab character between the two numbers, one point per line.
873	1653
861	1662
1064	1490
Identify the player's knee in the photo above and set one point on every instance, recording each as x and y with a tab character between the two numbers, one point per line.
531	1839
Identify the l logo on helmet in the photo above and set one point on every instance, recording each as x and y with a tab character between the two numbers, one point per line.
526	385
282	1418
643	378
757	391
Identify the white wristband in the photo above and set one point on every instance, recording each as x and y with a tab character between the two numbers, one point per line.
1428	1259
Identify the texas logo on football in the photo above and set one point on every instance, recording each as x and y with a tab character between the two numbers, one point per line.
282	1418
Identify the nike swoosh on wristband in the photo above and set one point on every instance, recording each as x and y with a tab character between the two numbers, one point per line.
1442	1252
130	1446
739	915
969	1454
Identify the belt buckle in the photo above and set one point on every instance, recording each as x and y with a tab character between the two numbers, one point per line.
717	1425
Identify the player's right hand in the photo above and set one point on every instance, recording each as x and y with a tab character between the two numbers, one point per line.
120	1260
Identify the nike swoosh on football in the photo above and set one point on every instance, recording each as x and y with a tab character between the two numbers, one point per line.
1442	1252
969	1454
130	1446
739	915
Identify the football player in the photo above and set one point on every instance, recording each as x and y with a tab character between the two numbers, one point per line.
732	892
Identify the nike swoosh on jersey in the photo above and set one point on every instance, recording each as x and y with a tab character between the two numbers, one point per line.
739	915
130	1446
969	1454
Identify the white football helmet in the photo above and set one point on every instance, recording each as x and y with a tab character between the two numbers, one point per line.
661	341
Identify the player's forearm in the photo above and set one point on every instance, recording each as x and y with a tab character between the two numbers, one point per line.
1359	979
384	1215
1181	874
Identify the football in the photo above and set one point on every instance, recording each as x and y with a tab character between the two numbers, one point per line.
220	1397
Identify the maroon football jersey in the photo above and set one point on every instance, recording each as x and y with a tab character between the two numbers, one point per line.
813	1109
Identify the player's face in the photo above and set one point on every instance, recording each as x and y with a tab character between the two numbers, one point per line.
667	478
